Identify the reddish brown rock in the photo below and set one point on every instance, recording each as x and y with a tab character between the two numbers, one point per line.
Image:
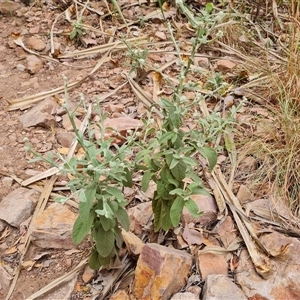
53	228
210	263
139	216
284	282
120	295
160	272
35	43
244	195
207	205
40	114
224	65
16	207
227	231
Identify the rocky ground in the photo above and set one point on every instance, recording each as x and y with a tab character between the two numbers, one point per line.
210	257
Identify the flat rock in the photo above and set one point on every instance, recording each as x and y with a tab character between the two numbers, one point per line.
9	7
219	287
224	65
66	289
284	281
139	216
5	278
184	296
161	272
40	114
227	231
244	195
65	138
88	274
117	128
210	263
67	123
35	43
120	295
18	206
53	228
34	64
207	205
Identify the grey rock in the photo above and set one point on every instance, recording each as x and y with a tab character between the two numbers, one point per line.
18	206
40	114
185	296
5	278
220	287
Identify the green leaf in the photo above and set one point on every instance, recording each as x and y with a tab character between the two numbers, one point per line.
114	192
119	237
176	210
210	154
209	7
177	191
145	180
174	163
73	34
192	207
189	161
167	136
156	208
123	218
105	241
200	191
179	170
229	143
165	216
104	261
94	261
81	228
128	178
107	224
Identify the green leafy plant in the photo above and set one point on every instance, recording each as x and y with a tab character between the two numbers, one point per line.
77	31
98	178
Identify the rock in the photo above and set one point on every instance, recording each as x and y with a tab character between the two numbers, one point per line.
21	67
244	195
35	43
224	65
7	181
210	263
65	289
34	64
53	228
9	7
219	287
40	114
65	138
17	206
133	244
2	225
67	123
120	295
139	216
203	62
88	274
121	125
185	296
284	282
161	35
194	289
160	272
227	232
207	204
5	278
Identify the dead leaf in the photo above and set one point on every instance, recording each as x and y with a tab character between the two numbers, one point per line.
192	236
11	250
